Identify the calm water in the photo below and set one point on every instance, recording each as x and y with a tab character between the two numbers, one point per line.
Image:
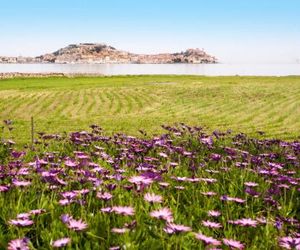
140	69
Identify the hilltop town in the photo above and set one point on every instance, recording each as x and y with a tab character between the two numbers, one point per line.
101	53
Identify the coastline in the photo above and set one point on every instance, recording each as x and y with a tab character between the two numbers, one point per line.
11	75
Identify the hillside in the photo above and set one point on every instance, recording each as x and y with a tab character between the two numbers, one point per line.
101	53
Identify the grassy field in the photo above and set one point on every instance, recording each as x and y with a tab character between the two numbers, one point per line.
130	103
183	188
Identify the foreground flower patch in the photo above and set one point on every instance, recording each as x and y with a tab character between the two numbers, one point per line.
182	189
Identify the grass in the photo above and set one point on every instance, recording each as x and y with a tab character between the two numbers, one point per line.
130	103
193	170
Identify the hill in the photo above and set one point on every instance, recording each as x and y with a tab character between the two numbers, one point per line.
102	53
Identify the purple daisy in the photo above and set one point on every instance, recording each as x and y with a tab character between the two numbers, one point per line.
163	214
153	198
207	240
21	222
104	196
123	210
233	244
106	210
211	224
139	180
4	188
37	211
213	213
18	244
19	183
245	222
172	228
76	225
61	242
250	184
289	243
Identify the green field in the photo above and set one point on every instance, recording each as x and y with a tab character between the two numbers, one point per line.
130	103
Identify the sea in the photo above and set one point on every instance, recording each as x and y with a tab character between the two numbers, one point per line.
158	69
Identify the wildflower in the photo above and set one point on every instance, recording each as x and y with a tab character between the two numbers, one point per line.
37	211
209	193
153	198
207	240
208	180
211	224
76	225
237	200
104	196
23	216
65	218
163	213
246	222
106	210
215	157
65	202
4	188
213	213
18	244
19	183
61	242
233	243
164	184
119	230
289	243
21	222
123	210
172	228
139	180
250	184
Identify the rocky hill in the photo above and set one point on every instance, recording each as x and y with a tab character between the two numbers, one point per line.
101	53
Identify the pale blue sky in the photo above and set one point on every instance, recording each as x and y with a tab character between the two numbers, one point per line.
233	30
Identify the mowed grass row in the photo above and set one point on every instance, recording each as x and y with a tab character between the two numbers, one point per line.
130	103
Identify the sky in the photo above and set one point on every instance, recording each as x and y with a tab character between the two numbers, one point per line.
235	31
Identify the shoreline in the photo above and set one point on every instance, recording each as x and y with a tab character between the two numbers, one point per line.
11	75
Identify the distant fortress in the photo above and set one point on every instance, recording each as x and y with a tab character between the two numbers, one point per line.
94	53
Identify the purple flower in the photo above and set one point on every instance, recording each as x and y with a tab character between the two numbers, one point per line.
139	180
207	240
19	183
65	202
18	244
209	193
65	218
163	214
237	200
76	225
289	243
21	222
4	188
23	216
123	210
61	242
37	211
172	228
213	213
233	244
106	210
153	198
211	224
215	157
246	222
250	184
104	196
